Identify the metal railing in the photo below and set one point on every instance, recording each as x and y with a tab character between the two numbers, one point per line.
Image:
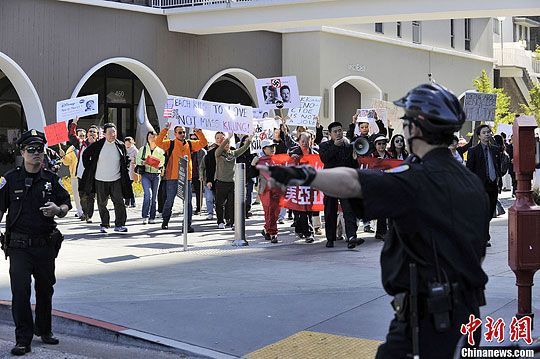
536	65
186	3
514	55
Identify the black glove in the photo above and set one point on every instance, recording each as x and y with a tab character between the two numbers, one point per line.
293	175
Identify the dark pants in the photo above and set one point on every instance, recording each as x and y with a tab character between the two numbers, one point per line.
197	189
331	214
382	226
303	223
161	195
171	190
225	192
432	344
130	201
249	193
492	191
87	202
25	263
114	190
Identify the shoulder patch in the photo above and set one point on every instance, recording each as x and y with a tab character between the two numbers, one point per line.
3	182
398	169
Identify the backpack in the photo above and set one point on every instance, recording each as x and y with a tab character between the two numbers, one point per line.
170	151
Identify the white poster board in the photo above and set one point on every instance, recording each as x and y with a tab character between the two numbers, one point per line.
393	114
480	106
277	93
264	129
306	114
76	107
260	113
214	116
506	128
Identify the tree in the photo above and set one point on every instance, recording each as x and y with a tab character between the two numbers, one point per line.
502	107
533	107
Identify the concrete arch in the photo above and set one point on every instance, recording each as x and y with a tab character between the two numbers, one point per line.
244	76
35	117
150	80
365	86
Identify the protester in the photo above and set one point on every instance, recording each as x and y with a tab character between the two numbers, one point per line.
269	196
208	172
70	159
251	175
174	150
197	158
338	152
32	196
132	152
453	149
106	173
150	176
380	141
225	163
397	148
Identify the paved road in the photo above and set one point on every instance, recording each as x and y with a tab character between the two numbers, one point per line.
237	300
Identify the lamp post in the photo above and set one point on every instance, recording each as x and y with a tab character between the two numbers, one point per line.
501	19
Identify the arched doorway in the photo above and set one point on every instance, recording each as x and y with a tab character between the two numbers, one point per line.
119	83
350	94
231	86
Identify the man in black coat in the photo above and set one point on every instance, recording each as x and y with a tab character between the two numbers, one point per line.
338	152
484	160
106	173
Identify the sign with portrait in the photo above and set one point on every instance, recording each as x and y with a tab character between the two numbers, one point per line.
306	114
76	107
277	93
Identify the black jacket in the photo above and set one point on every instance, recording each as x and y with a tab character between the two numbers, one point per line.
336	156
382	130
476	162
90	160
210	165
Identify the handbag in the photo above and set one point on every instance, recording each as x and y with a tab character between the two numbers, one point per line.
140	169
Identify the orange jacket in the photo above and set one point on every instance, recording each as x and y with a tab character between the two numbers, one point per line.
180	150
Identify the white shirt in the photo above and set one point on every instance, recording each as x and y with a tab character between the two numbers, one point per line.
108	166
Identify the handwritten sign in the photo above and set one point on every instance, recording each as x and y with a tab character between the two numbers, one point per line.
393	114
56	133
76	107
306	114
277	93
263	129
214	116
182	177
480	106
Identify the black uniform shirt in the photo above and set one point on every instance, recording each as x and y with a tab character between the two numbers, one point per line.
40	188
436	201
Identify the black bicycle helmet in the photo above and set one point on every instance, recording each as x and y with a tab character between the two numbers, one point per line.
434	108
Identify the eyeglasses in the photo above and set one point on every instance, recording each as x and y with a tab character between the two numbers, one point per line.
180	132
34	149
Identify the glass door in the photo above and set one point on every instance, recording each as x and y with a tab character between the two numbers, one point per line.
121	117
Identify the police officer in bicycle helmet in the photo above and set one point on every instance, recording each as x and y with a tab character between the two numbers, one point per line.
432	255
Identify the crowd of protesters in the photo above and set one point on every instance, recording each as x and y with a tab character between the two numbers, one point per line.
102	167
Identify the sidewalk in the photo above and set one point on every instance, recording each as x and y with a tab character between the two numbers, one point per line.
239	301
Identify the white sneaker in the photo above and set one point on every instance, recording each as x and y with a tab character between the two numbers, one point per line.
221	226
120	229
144	221
210	216
103	229
151	221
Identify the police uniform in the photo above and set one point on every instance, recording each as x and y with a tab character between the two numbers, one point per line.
31	249
432	204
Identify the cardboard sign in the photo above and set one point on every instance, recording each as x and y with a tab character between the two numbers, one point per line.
277	93
393	114
263	129
182	177
480	106
56	133
214	116
306	114
76	107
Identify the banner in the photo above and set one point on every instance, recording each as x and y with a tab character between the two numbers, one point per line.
480	106
213	116
306	114
56	133
373	163
263	129
76	107
277	93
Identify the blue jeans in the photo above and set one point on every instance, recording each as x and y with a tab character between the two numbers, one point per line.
209	195
282	213
171	188
150	185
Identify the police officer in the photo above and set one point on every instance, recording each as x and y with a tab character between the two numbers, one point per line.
439	212
32	196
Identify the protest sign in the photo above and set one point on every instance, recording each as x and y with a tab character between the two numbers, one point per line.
260	113
214	116
370	115
76	107
393	114
263	129
182	177
56	133
277	93
306	114
480	106
505	128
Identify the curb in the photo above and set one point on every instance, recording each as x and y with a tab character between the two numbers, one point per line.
93	329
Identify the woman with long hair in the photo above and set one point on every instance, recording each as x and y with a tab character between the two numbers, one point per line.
397	148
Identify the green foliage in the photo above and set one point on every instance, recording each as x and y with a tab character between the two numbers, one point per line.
536	53
502	108
533	108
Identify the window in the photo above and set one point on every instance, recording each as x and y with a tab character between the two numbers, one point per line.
452	34
379	28
416	32
398	28
468	34
496	26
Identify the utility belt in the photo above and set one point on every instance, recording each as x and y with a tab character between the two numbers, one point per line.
438	304
21	240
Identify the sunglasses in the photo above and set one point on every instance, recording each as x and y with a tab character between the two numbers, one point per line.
34	149
180	132
398	141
